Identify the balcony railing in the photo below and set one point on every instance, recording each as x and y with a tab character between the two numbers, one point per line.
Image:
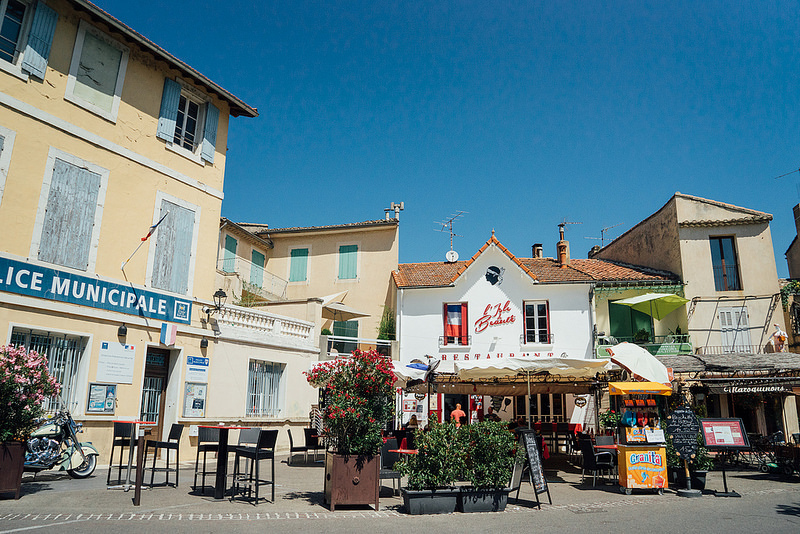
738	349
254	278
458	341
548	341
656	345
337	346
262	326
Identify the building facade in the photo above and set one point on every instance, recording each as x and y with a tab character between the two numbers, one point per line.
104	135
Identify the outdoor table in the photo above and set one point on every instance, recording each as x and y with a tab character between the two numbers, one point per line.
134	434
606	447
222	458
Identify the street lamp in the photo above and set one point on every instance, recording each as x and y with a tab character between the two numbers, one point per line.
219	301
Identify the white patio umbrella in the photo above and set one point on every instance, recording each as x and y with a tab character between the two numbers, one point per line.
340	312
639	362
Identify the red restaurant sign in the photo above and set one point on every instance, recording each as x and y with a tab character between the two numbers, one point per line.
495	315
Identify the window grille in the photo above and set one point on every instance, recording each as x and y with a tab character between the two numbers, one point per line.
264	398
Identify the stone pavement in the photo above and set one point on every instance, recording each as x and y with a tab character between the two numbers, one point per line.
52	498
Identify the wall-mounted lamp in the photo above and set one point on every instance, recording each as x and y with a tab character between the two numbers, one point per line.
122	331
204	343
219	301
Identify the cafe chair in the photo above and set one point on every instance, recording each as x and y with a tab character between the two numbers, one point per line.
207	441
172	444
595	461
121	439
248	437
296	448
251	478
562	436
312	441
604	440
388	460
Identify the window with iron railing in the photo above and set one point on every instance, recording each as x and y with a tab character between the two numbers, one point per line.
725	264
264	389
63	353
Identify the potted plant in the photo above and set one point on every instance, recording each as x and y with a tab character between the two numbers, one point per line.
489	461
358	403
439	462
609	420
24	384
699	466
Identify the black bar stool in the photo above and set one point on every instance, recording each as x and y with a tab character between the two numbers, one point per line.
251	478
207	441
121	439
172	443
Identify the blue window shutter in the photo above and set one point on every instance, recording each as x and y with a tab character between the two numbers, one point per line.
169	110
69	216
210	133
40	40
257	269
299	265
347	261
173	249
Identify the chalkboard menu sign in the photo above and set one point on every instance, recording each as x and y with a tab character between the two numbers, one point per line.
528	440
682	428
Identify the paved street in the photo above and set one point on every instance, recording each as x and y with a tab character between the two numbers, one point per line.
54	501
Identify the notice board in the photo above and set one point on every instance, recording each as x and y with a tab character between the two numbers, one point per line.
724	434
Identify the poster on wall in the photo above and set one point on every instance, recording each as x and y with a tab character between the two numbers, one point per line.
409	405
115	362
102	398
197	369
194	400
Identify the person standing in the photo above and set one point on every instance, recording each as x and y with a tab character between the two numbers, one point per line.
458	415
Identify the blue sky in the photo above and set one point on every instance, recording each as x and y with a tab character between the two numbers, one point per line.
519	114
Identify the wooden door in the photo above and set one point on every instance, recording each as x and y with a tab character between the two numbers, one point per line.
154	389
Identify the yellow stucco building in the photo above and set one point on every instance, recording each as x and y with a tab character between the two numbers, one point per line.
103	135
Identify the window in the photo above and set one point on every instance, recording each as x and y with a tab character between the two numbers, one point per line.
188	121
257	260
455	324
345	329
725	265
67	227
6	145
172	256
97	72
229	256
264	389
63	353
26	35
537	322
735	329
348	265
298	266
545	407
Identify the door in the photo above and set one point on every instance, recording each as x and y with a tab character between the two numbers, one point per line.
735	329
154	389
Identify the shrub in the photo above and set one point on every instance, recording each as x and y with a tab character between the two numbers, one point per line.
25	383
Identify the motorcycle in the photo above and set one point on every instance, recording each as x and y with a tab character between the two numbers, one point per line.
55	444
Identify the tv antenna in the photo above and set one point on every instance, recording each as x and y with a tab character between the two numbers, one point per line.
562	226
447	226
603	231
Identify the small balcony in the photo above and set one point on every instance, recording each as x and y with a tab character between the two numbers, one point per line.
656	345
332	347
249	281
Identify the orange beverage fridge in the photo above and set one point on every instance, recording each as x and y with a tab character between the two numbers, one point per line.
642	467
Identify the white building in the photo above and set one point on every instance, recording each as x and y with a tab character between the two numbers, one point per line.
496	305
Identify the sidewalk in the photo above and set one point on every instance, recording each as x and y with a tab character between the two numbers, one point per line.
298	493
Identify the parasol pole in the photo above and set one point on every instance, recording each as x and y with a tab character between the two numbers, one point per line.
528	400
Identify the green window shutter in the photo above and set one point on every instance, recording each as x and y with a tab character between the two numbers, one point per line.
257	269
40	40
348	255
298	268
229	258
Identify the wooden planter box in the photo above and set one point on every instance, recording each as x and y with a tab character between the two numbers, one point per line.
12	462
351	479
436	501
483	500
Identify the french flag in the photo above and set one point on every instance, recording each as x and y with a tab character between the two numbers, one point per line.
169	333
153	228
453	325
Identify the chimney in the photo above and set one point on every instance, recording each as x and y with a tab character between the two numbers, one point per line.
562	248
537	250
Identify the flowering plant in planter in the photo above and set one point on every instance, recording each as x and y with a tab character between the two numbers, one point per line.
359	400
24	385
610	419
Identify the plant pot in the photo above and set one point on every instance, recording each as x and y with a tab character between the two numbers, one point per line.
351	479
434	501
12	462
483	500
677	478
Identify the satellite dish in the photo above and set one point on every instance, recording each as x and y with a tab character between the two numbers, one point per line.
451	256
